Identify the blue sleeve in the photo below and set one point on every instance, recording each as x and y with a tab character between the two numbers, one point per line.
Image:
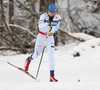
57	26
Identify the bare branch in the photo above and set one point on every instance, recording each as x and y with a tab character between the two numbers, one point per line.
15	44
22	28
70	35
71	16
34	14
13	49
17	26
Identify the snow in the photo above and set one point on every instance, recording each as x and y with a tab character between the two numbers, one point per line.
69	70
22	29
85	46
83	36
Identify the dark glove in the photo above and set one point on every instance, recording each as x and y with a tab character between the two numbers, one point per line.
55	33
50	19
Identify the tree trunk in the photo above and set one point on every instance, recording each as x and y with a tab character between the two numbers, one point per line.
1	16
11	10
44	5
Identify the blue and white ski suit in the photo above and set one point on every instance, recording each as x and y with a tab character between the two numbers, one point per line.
50	46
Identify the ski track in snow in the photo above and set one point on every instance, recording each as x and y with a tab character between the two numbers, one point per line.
69	70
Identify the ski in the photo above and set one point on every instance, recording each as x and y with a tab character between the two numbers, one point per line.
21	69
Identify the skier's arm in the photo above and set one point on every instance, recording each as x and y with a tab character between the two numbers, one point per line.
57	26
42	22
55	33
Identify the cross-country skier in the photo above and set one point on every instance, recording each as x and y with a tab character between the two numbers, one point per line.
46	19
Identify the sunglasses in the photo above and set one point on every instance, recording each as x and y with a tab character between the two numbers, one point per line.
54	12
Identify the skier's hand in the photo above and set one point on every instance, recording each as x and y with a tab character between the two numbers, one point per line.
55	33
50	19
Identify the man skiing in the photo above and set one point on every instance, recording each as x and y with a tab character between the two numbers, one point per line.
52	19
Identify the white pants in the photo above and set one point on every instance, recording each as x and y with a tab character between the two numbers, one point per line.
49	46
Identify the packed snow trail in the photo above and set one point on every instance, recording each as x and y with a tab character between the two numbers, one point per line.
69	70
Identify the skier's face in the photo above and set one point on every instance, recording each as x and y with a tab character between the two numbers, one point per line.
52	13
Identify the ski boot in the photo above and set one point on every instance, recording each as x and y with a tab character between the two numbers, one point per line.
52	79
27	63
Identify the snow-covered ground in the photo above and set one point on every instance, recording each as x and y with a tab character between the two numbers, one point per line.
69	70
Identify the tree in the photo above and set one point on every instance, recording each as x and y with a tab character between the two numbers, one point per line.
11	10
22	28
1	16
44	5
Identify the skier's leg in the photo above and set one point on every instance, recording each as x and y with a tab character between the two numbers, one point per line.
51	53
38	49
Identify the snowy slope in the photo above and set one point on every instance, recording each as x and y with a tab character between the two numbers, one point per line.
85	46
69	70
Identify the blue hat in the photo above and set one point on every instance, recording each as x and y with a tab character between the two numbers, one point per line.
52	8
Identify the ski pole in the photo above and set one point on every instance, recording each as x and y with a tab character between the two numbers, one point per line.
43	50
